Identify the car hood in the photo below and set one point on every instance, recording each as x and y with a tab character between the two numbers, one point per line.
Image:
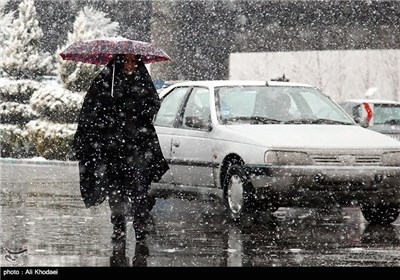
308	136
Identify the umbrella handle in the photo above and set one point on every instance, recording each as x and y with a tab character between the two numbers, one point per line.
112	83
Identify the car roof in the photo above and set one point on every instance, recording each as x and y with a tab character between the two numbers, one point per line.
371	101
216	83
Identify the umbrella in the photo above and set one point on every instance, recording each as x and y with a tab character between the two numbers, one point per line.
102	50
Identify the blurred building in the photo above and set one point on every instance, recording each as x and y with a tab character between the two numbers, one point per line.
200	35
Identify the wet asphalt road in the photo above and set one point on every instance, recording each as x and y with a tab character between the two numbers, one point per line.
44	222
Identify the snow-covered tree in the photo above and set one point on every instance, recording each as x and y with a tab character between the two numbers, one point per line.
15	112
22	58
89	24
58	104
6	25
24	65
53	132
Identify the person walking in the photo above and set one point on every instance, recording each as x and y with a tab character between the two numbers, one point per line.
117	146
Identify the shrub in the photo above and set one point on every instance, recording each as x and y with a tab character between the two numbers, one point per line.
14	142
52	140
57	104
16	113
17	90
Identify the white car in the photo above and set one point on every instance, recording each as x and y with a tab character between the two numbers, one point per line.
379	115
263	145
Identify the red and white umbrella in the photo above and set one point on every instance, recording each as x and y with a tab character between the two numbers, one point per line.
102	50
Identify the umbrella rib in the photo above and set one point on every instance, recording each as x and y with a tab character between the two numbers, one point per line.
112	83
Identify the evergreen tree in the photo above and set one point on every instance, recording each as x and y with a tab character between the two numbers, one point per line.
23	64
22	58
6	25
53	131
59	103
89	24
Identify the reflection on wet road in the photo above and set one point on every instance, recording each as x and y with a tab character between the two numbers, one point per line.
48	219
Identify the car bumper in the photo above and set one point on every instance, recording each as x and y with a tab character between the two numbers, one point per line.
302	184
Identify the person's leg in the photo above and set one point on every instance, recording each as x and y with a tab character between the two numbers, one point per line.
140	209
118	202
140	206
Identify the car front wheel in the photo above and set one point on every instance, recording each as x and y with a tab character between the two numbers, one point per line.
238	198
381	213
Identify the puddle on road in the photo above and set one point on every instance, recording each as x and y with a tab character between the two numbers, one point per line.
57	230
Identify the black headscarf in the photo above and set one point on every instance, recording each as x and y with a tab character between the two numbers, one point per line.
116	103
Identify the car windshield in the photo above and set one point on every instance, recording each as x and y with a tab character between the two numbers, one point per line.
277	105
387	114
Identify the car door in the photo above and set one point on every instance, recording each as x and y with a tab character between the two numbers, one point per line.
191	151
165	122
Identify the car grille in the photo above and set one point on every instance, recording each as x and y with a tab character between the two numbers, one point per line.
395	136
346	159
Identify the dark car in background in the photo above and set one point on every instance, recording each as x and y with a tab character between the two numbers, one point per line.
379	115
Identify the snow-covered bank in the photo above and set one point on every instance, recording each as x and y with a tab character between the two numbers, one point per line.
37	161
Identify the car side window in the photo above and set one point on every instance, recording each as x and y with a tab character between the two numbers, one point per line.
386	113
170	106
197	110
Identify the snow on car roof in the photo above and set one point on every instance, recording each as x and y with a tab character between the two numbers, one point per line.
215	83
372	101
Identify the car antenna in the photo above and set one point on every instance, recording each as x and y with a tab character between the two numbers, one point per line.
281	79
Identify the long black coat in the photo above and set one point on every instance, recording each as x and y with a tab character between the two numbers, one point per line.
115	128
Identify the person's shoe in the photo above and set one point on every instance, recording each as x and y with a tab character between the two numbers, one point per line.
141	254
119	261
118	257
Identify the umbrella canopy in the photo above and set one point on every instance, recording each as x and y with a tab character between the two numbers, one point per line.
102	50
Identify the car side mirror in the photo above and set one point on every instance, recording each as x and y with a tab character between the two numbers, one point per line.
363	122
197	122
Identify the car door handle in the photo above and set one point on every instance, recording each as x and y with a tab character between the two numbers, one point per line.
175	143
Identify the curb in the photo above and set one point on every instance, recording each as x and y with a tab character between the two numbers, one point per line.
38	162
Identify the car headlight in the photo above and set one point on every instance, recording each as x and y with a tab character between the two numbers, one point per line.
391	158
287	158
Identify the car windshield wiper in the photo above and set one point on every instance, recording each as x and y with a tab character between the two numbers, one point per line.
316	121
393	122
252	120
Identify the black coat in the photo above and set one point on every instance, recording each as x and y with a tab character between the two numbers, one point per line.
115	128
